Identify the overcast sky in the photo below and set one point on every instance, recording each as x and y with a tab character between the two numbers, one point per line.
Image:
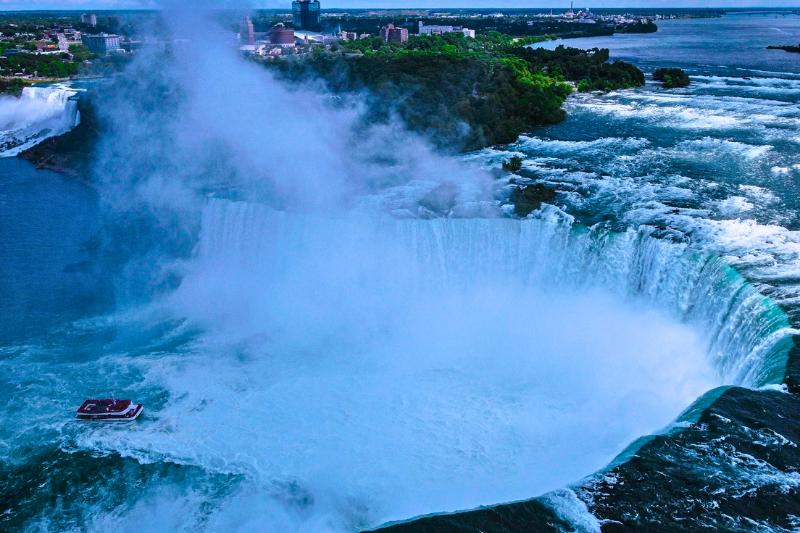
111	4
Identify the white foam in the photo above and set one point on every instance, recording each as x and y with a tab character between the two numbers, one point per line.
603	144
386	369
568	507
694	111
735	205
759	194
781	171
698	148
678	117
38	114
739	82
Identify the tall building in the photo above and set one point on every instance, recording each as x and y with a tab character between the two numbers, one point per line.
90	19
247	34
281	36
102	43
392	34
306	15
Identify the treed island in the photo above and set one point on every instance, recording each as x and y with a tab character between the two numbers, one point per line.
793	48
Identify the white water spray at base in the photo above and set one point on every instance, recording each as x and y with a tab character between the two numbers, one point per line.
360	370
38	114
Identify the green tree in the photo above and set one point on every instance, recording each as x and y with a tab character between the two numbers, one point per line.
80	53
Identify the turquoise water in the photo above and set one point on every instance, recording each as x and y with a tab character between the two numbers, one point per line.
332	371
47	222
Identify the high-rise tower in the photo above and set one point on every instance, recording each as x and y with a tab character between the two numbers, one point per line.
306	15
247	34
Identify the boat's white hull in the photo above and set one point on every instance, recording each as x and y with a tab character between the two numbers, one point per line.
128	415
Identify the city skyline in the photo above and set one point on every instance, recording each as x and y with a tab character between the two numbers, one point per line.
8	5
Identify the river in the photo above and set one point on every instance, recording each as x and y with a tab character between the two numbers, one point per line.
333	371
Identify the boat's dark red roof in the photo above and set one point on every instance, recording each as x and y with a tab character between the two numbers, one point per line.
103	406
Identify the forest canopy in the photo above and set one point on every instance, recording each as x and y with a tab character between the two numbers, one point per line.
463	93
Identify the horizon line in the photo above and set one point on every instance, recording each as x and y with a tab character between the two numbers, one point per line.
377	8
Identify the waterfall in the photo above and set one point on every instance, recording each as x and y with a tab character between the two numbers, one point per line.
38	114
748	336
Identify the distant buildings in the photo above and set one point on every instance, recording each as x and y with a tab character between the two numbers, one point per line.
72	35
102	43
45	46
392	34
63	43
90	19
247	34
441	30
617	21
281	36
306	15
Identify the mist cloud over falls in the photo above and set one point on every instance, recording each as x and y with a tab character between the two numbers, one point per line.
200	118
196	118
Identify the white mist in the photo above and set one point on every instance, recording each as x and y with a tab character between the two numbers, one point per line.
355	374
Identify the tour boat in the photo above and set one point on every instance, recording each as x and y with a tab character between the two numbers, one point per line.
109	410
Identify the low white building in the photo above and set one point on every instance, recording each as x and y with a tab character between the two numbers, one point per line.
441	30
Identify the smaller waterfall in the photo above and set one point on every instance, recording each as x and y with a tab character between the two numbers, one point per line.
38	114
748	336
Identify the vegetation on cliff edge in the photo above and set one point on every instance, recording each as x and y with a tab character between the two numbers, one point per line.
462	93
12	86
